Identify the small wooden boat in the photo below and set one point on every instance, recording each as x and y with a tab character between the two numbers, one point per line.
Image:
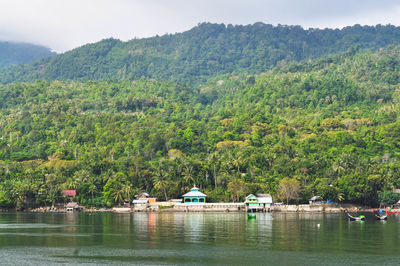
251	216
381	217
359	218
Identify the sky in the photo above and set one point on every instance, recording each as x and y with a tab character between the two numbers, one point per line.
66	24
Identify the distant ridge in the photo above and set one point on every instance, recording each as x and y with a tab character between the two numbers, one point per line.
202	52
20	53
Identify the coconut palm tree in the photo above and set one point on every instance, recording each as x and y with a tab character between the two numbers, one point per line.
160	181
118	195
92	189
127	189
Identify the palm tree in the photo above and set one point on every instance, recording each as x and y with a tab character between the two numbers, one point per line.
19	191
92	189
236	163
71	183
188	173
127	189
117	195
213	159
160	181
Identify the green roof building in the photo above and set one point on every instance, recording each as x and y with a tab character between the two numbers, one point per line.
251	200
194	196
258	202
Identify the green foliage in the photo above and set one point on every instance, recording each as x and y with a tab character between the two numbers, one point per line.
330	126
388	198
238	189
205	51
116	189
5	200
289	189
326	190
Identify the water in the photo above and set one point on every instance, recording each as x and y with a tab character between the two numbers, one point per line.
197	238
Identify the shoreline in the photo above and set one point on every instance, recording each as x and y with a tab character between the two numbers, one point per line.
208	207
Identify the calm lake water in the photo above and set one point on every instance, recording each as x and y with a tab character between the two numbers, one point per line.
197	238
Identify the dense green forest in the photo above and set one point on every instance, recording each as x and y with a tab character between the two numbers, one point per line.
19	53
330	126
202	52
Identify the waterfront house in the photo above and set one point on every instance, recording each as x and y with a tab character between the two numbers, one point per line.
72	206
145	197
258	202
251	200
315	200
194	196
264	200
139	201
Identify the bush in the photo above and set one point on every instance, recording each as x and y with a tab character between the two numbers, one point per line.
388	198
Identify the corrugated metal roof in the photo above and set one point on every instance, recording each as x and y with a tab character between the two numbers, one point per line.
69	193
194	192
139	201
250	196
315	198
260	195
264	200
72	205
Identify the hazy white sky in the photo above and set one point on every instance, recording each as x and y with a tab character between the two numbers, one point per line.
66	24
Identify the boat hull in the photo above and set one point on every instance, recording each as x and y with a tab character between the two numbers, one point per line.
249	217
352	218
381	218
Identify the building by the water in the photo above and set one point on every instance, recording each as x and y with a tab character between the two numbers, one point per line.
194	196
258	202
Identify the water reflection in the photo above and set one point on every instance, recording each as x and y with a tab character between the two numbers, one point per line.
213	238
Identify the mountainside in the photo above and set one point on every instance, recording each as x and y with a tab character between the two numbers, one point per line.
332	126
202	52
20	53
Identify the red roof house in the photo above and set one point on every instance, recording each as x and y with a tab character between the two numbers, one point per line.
69	193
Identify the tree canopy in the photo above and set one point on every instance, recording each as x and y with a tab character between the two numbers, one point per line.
203	52
330	126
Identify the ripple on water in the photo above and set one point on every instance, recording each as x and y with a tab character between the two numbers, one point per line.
30	226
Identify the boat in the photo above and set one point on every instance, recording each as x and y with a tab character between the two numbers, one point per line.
359	218
381	217
251	216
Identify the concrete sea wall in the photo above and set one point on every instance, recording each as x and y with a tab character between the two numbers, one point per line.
307	208
209	207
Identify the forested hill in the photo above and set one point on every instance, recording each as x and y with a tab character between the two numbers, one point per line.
19	53
204	51
330	127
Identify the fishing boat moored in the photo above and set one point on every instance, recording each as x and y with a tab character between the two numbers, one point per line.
251	216
359	218
381	217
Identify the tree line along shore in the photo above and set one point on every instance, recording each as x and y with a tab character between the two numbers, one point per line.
328	127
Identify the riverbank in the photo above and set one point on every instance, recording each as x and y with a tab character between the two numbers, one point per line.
320	208
209	207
